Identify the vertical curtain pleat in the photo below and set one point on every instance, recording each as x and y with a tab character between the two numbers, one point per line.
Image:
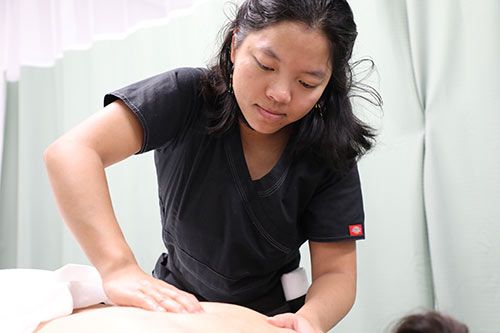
9	177
394	272
3	100
431	185
457	61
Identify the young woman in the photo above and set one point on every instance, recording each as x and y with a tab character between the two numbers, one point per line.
254	157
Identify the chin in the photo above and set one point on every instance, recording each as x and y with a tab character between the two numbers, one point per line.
262	127
266	129
266	132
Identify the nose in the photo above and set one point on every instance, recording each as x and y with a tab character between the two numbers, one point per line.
279	91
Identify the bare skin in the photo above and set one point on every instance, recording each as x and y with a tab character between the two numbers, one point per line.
217	318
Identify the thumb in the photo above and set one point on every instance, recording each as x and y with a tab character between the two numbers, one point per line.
284	320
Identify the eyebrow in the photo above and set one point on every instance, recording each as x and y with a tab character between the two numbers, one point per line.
269	52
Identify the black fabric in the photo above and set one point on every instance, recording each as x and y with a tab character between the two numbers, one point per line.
228	238
270	304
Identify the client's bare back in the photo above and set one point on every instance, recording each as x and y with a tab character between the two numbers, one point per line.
218	317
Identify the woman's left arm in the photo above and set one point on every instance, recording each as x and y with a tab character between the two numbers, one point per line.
332	291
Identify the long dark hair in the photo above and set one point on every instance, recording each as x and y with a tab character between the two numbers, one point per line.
338	137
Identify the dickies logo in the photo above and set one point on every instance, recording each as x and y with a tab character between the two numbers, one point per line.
356	230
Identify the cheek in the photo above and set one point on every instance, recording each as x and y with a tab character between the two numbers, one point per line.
246	80
242	79
306	104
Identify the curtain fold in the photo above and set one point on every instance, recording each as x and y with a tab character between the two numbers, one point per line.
3	107
430	184
459	72
9	177
394	272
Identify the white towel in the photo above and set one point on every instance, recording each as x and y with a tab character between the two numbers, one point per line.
31	296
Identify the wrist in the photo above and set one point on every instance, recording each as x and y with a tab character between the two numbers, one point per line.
312	319
117	265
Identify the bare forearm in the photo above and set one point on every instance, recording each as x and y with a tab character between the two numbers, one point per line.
79	184
329	299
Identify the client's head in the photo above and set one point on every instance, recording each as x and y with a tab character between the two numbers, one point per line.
429	322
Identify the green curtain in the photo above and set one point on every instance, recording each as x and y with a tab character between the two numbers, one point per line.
430	185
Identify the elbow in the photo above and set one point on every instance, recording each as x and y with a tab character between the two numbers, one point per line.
51	155
58	154
48	155
66	155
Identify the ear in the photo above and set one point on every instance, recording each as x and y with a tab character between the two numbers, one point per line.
232	45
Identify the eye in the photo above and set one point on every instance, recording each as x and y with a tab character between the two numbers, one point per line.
263	66
308	86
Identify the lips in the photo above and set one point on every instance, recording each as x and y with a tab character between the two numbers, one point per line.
270	114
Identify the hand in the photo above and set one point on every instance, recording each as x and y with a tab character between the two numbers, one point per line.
132	287
293	321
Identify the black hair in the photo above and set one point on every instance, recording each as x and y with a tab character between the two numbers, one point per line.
430	322
337	136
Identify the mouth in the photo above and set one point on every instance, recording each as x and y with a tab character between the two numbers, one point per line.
270	114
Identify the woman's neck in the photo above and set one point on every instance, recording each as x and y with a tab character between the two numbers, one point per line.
255	140
262	151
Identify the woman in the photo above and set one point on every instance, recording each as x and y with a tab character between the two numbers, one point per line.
254	157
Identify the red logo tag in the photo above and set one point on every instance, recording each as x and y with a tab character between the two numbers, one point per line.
356	230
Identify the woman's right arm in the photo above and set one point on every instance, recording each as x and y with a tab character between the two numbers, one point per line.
75	164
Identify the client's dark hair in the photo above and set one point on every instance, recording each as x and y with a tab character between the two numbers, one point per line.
430	322
338	137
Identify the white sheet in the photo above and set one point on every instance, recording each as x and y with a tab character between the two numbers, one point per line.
31	296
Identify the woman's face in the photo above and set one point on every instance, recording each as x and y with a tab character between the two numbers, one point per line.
280	72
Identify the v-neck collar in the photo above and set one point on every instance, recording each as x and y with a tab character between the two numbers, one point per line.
270	182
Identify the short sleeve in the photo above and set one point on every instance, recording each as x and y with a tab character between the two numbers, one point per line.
164	104
335	212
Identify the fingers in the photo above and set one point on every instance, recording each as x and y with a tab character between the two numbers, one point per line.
284	320
188	301
293	321
136	288
145	302
175	300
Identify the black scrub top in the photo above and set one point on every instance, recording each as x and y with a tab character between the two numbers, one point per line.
229	238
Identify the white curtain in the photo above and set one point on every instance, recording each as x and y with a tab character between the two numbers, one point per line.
37	32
